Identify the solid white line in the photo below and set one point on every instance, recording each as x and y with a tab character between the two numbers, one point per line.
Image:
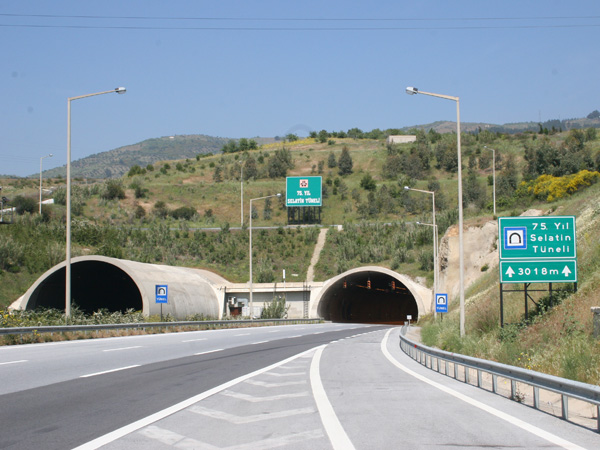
195	340
242	334
209	351
501	415
108	371
127	429
293	337
337	435
259	342
13	362
121	348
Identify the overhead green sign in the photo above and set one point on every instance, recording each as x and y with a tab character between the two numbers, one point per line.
522	271
303	191
537	249
544	237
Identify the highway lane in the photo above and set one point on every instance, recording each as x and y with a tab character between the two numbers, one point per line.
62	395
358	392
351	388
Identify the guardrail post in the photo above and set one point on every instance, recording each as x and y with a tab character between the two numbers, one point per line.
513	389
598	418
494	384
536	397
564	400
479	379
455	371
466	374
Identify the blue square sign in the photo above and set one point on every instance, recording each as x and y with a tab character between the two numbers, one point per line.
441	303
162	293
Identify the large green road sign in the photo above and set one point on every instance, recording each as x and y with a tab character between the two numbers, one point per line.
537	249
522	271
547	237
303	191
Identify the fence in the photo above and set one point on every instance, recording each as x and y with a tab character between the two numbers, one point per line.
450	364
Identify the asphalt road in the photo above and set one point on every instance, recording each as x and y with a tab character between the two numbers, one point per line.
297	387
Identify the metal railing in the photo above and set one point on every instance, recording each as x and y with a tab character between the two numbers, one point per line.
566	389
144	325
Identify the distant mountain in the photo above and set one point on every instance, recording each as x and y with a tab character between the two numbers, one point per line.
117	162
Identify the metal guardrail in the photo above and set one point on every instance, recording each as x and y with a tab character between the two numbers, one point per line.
565	388
144	325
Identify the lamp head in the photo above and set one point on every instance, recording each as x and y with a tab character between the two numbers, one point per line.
412	90
418	223
406	188
120	90
279	194
50	155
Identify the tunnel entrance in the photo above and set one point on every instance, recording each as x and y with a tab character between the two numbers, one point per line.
368	297
94	285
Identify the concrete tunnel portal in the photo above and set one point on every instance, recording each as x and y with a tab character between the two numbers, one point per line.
94	285
368	297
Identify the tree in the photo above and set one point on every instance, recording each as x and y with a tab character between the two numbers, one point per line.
322	136
595	114
345	163
113	189
279	163
331	162
218	176
368	183
250	170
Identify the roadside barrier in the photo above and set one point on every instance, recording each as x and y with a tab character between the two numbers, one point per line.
462	367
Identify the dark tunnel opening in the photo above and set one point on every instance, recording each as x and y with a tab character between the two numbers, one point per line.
368	297
94	285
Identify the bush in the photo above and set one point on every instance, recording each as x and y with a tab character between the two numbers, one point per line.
185	213
277	309
113	189
24	205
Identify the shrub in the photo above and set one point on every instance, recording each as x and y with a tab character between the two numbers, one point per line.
113	189
277	309
24	204
184	212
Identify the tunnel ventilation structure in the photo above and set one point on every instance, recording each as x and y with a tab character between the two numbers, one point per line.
372	295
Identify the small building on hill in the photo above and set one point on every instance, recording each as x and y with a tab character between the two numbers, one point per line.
401	139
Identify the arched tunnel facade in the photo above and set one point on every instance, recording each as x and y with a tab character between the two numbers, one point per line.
370	295
99	282
94	285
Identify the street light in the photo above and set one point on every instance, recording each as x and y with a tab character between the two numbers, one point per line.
47	156
412	91
241	194
119	90
436	272
250	245
407	188
493	173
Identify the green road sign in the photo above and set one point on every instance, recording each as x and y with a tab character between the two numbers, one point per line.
544	237
303	191
536	271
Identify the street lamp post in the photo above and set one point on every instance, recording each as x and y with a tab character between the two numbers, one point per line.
413	91
434	226
493	174
241	194
47	156
250	248
436	272
119	90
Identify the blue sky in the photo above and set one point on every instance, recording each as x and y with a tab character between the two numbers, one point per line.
221	68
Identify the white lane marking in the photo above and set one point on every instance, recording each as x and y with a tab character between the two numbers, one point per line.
127	429
239	420
209	351
242	334
291	374
495	412
319	332
121	348
337	435
194	340
255	399
275	331
297	336
108	371
274	385
176	440
259	342
13	362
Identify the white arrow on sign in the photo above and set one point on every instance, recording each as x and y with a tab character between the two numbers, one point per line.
566	272
510	272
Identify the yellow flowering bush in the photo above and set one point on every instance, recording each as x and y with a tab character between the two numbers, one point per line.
553	188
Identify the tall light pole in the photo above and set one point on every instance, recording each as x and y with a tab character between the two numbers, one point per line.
412	91
493	174
436	272
250	245
241	194
47	156
119	90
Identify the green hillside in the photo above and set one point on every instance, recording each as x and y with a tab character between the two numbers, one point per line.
183	212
